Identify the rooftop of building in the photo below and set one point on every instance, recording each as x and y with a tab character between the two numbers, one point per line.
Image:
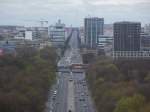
93	18
127	22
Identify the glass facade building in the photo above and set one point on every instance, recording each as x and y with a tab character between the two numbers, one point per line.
93	28
127	36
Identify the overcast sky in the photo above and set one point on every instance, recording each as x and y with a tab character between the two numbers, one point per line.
25	12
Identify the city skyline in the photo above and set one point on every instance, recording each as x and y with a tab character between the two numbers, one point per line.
21	12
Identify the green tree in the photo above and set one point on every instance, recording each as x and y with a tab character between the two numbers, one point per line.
130	104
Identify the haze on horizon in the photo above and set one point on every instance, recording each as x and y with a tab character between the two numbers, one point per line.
27	12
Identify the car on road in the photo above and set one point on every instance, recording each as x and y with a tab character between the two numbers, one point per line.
54	97
85	105
55	92
81	99
82	94
70	79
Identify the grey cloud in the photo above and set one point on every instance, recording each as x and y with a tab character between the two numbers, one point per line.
73	11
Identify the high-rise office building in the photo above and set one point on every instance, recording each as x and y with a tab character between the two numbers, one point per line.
93	28
127	36
57	34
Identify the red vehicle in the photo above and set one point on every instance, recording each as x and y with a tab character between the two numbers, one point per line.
78	66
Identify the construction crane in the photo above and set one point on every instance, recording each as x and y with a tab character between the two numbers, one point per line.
42	22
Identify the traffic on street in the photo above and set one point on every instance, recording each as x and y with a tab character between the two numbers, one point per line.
70	93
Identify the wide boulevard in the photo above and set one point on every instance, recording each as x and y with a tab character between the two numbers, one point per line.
70	93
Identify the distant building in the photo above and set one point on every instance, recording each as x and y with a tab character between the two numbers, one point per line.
127	41
127	36
27	35
20	34
93	27
147	29
104	40
105	43
145	42
38	32
32	33
57	34
8	32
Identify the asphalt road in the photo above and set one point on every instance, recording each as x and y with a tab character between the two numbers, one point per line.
71	91
83	99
